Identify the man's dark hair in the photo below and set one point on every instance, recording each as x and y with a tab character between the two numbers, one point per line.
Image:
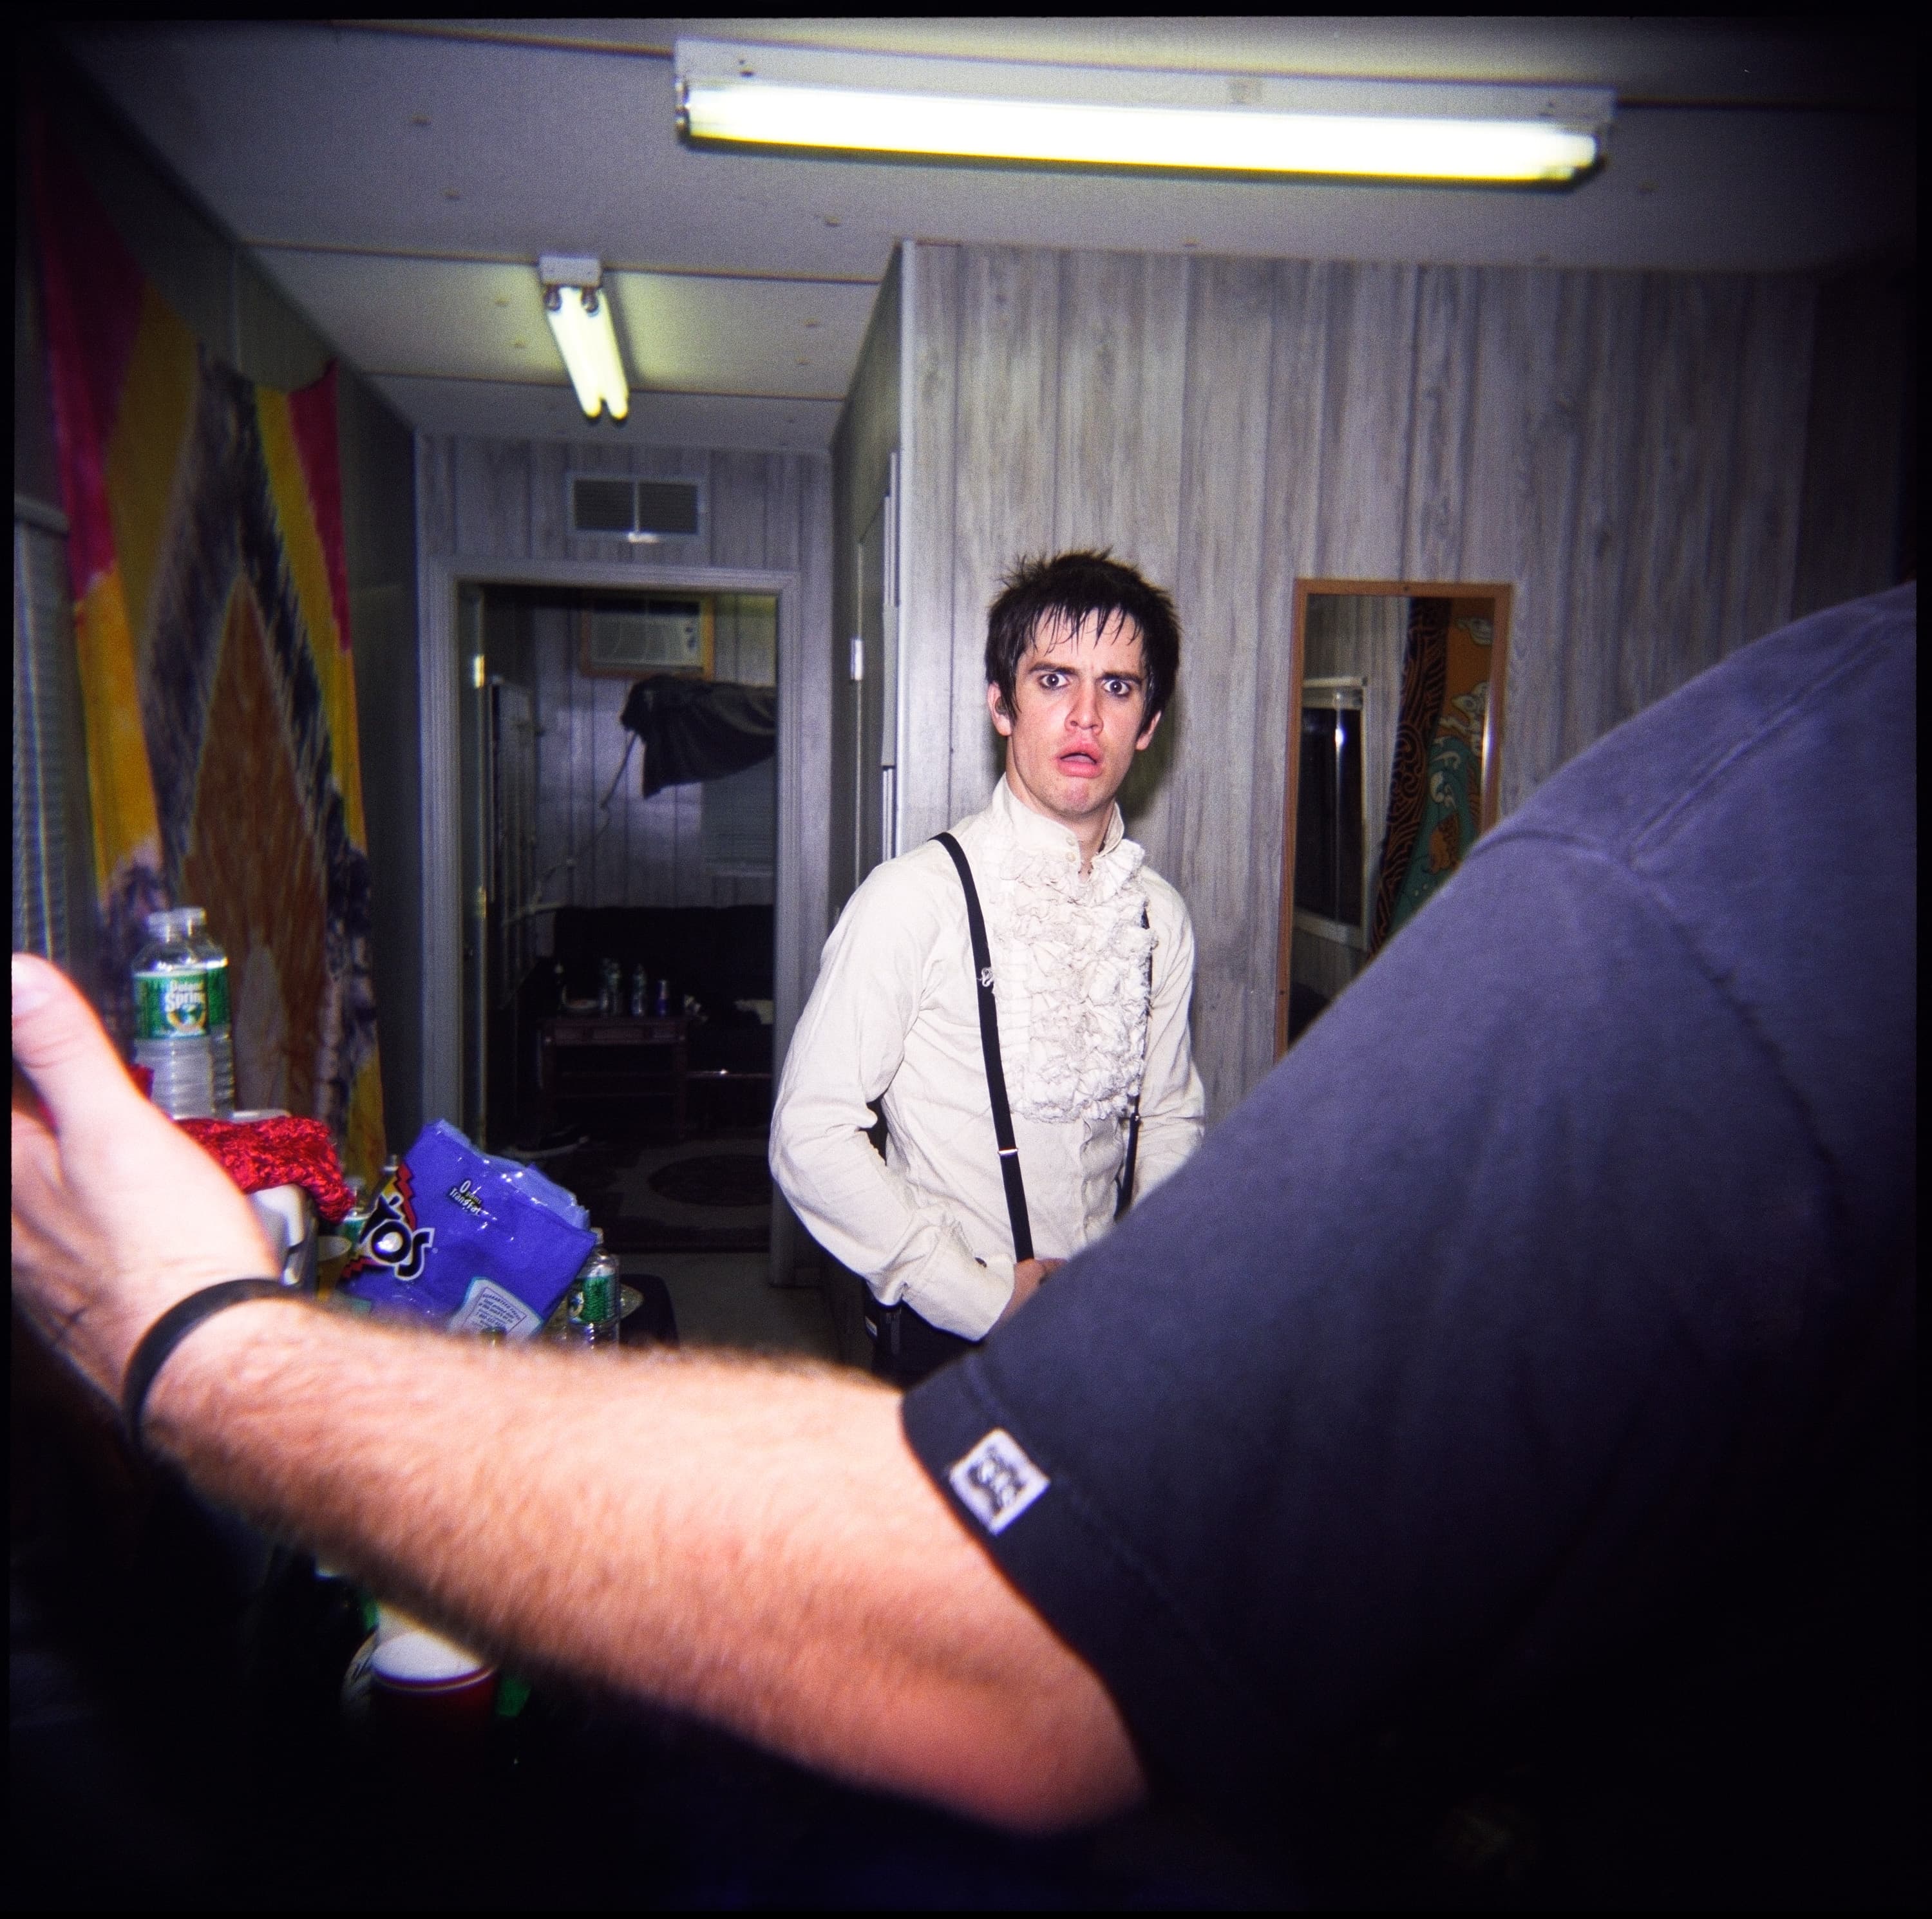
1070	586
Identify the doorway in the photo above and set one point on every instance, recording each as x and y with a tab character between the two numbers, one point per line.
618	826
454	597
619	832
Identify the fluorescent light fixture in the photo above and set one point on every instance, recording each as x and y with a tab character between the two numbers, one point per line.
820	101
579	313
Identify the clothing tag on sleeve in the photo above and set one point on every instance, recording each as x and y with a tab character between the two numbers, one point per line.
996	1482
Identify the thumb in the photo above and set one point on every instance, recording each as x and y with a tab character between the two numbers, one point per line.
59	1045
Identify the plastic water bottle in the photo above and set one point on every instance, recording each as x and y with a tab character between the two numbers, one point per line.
184	1033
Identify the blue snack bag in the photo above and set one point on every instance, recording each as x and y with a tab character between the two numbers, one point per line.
468	1241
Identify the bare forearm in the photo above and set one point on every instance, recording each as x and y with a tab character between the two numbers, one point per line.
756	1544
752	1542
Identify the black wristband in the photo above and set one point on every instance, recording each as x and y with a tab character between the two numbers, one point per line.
173	1326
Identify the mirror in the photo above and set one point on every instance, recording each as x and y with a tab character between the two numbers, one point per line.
1394	766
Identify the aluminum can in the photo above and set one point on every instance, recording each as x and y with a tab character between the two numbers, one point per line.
594	1307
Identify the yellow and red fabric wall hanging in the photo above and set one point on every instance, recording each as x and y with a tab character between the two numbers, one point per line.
211	616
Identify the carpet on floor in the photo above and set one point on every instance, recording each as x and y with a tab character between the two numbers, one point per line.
647	1195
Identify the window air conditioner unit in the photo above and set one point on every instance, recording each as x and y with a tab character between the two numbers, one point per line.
640	511
650	636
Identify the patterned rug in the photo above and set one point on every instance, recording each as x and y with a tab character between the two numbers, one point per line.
725	1182
708	1195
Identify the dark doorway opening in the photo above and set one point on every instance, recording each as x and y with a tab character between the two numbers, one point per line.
618	938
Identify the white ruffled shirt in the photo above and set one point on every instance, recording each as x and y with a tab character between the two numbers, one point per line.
895	1017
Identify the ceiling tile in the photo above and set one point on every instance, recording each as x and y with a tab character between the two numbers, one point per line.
710	335
477	320
464	318
507	411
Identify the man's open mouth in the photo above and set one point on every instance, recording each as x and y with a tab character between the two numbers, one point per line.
1079	762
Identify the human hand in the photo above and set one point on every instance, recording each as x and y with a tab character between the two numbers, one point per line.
117	1214
1028	1276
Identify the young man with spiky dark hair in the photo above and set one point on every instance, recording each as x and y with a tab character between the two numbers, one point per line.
1073	1018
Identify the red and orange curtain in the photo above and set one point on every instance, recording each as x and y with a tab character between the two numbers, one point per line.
1435	789
212	617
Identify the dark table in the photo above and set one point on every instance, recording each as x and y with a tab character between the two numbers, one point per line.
613	1055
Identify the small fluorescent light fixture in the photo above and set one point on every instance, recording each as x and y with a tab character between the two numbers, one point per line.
579	313
911	105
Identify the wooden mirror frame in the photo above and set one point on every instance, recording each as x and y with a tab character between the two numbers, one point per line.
1492	728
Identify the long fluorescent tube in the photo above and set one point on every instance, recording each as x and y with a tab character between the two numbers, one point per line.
579	313
972	110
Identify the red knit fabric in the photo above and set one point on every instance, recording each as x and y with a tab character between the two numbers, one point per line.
258	1153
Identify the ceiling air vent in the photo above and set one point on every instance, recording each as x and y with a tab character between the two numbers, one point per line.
640	510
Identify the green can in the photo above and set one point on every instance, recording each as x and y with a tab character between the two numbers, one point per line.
593	1309
598	1284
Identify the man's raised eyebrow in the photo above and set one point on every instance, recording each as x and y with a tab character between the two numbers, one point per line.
1111	673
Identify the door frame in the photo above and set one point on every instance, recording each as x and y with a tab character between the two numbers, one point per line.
803	843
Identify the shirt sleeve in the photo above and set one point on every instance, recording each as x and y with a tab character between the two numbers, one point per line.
1173	1103
849	1043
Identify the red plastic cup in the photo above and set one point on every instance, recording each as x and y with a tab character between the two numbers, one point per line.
432	1700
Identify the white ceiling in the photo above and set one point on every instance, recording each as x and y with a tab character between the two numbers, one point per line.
398	180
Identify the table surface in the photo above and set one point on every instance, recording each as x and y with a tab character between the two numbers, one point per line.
612	1028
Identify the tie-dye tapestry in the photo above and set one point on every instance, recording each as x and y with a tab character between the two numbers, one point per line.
212	617
1436	791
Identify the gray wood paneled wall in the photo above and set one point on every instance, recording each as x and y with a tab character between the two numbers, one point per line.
1858	531
502	500
1626	449
867	436
644	852
498	502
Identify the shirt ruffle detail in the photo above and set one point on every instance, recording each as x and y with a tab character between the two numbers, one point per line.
1071	954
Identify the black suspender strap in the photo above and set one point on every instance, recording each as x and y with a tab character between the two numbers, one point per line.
1124	1197
996	1072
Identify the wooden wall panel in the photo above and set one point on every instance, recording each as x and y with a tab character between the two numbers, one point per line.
1006	458
1292	509
1761	557
1123	395
1857	534
1123	369
1567	656
498	502
1443	427
1693	333
1367	343
1626	451
1219	754
929	458
863	447
556	785
741	484
644	852
436	493
1505	509
801	545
